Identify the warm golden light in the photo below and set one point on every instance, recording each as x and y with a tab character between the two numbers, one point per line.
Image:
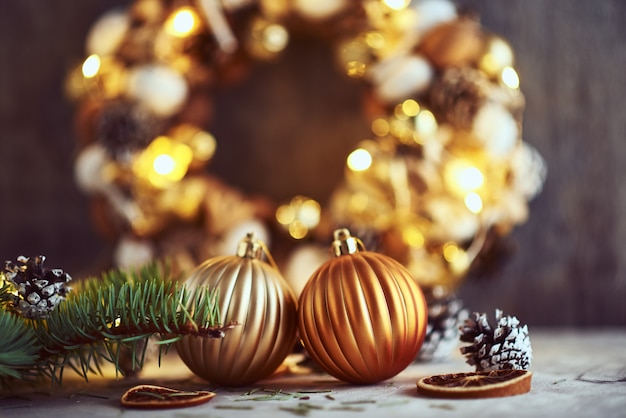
498	55
355	69
457	258
375	40
358	202
266	39
355	56
359	160
450	251
183	22
400	129
398	113
285	214
410	107
164	161
380	127
310	212
204	145
164	164
413	237
425	122
470	178
397	4
91	66
297	230
510	78
300	215
4	282
275	37
461	177
473	202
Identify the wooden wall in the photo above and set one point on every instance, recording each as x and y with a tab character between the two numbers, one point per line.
569	267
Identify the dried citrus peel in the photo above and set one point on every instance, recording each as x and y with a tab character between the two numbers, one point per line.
159	397
490	384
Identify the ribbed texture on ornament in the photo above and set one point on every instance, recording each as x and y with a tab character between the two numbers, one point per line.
254	295
362	317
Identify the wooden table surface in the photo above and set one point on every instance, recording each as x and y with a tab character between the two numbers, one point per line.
576	373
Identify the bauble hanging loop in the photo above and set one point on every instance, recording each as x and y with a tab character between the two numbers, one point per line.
362	317
253	294
344	243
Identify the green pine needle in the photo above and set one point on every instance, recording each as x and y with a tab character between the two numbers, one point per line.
6	289
19	347
102	318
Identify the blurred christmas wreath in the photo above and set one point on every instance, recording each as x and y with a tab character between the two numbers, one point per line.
445	172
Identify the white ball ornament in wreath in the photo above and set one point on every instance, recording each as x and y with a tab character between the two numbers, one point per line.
445	167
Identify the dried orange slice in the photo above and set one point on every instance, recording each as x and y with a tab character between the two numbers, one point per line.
159	397
476	384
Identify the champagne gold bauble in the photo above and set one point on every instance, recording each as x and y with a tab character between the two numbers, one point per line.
254	295
362	317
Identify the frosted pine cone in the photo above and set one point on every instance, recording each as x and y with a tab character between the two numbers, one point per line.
505	347
445	314
39	289
123	127
460	93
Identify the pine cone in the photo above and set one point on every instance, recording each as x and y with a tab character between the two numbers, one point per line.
445	315
458	95
124	126
39	289
505	347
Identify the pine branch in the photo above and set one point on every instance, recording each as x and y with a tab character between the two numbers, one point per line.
19	347
6	296
102	318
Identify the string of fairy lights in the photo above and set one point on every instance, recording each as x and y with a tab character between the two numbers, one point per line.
445	166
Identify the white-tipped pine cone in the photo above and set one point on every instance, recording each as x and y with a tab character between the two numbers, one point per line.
445	314
507	346
39	289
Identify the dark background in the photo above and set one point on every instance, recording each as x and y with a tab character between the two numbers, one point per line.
569	267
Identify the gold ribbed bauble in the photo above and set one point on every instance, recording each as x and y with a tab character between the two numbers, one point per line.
361	316
254	295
